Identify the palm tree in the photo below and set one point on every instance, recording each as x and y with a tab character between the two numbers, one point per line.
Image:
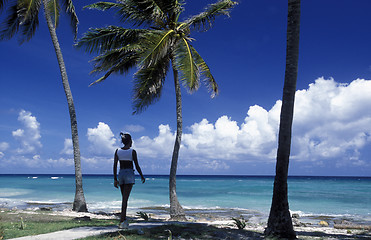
23	15
280	222
162	40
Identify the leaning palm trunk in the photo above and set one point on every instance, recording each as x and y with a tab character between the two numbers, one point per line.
280	222
79	203
176	210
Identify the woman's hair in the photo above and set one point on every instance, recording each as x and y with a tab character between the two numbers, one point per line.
125	138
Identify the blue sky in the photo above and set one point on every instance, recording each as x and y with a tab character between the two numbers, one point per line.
234	133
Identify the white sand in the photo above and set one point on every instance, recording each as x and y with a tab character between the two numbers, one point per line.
317	231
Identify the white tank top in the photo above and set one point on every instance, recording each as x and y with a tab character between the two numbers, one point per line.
125	155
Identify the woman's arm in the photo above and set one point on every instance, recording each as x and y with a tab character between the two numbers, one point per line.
115	160
137	167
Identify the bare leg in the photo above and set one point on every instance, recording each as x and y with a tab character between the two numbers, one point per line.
125	192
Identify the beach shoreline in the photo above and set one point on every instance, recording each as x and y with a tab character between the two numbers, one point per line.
323	227
207	201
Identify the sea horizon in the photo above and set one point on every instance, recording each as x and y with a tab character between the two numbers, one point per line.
189	175
336	197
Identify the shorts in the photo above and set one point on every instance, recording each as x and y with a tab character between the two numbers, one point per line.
126	176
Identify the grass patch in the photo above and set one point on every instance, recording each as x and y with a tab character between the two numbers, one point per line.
24	224
1	229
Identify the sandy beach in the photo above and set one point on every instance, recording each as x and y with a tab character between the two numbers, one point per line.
219	225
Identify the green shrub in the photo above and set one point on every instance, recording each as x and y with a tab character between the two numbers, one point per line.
22	225
1	230
239	223
143	215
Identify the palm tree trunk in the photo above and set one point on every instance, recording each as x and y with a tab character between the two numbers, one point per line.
280	222
176	210
79	203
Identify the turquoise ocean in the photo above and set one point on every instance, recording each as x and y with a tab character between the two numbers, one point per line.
310	197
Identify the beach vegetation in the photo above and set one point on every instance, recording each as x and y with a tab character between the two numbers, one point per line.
170	237
279	221
22	225
239	223
23	18
143	215
12	230
15	224
162	42
1	229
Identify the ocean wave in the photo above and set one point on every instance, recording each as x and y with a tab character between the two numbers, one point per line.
13	192
49	202
10	203
116	204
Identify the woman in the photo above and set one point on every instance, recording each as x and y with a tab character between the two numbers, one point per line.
126	177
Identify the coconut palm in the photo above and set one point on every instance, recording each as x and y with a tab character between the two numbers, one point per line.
23	17
280	222
160	41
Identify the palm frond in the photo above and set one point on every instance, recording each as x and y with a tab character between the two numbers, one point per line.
103	6
189	73
205	19
105	39
54	10
11	25
29	28
2	3
138	12
119	60
155	44
69	8
206	76
22	15
170	8
148	84
27	9
28	12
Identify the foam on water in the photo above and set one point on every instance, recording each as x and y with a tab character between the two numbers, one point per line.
13	192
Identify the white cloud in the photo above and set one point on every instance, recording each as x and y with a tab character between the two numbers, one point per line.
104	162
208	143
332	121
60	162
102	139
27	154
29	161
68	148
29	137
206	165
18	133
160	146
4	146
